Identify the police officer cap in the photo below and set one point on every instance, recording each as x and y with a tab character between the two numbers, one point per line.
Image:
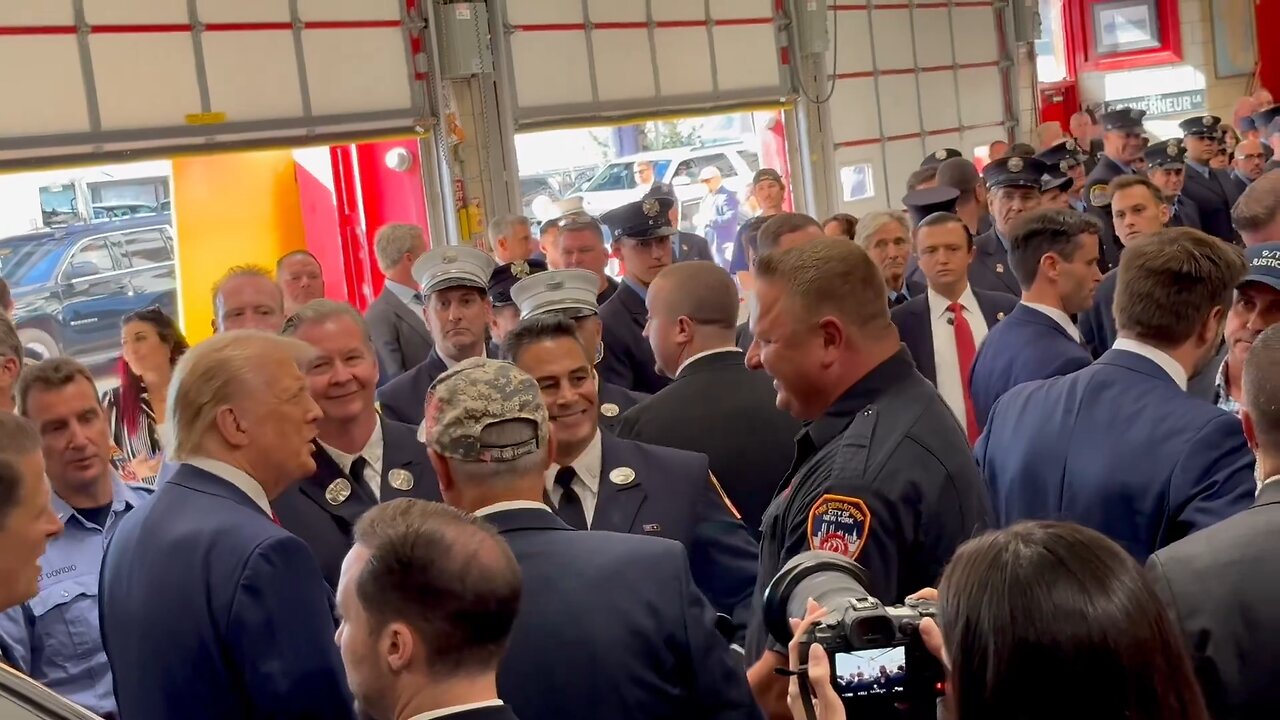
1014	171
1209	126
1061	157
1123	119
940	156
567	211
922	203
572	291
1263	118
641	220
454	266
1165	154
1264	265
505	276
475	394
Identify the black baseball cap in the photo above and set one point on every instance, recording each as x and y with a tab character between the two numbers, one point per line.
766	174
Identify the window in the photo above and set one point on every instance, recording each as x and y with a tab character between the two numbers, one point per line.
1125	26
93	258
146	247
857	182
1051	54
751	158
1124	34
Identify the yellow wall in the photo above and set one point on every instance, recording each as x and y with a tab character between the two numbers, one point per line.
230	209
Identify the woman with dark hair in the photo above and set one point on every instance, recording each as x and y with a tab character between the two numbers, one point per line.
1047	620
136	408
840	225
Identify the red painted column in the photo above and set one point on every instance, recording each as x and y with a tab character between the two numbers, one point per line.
1266	20
389	195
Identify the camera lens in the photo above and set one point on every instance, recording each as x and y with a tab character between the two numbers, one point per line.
830	579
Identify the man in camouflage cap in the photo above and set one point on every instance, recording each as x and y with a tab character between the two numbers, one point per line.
472	398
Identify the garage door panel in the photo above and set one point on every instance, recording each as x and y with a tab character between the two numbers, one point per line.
543	12
35	14
903	158
890	28
230	11
934	143
684	61
607	11
267	57
127	96
980	138
898	95
855	104
623	62
739	9
938	100
135	12
981	96
339	65
854	54
562	75
740	61
52	100
933	38
670	10
348	11
976	39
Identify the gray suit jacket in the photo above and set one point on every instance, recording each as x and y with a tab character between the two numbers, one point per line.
399	335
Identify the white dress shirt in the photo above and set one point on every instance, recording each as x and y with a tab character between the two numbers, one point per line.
372	454
237	477
510	505
444	712
946	358
587	481
1058	316
1156	356
705	353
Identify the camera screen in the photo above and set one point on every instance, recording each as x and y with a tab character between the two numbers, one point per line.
871	673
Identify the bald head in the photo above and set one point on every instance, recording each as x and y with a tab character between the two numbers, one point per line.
693	307
1250	159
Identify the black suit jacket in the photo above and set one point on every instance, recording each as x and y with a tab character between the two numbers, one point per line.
691	246
493	712
1185	214
630	638
1098	323
400	337
716	406
327	528
610	288
1221	585
628	360
614	403
402	399
990	268
915	325
1098	196
1214	196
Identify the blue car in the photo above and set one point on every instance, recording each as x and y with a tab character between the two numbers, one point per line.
73	285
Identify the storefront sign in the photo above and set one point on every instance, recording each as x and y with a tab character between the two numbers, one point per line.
1178	103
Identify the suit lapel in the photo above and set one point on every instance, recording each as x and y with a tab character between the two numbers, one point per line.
618	505
921	331
327	473
406	315
398	453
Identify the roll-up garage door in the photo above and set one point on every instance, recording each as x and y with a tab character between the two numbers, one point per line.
911	79
81	79
586	60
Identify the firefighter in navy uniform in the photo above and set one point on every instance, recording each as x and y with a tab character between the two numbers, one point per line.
1122	144
1166	167
1067	159
1212	190
883	473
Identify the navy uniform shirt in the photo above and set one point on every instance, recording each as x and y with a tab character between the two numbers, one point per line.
1098	195
54	637
885	477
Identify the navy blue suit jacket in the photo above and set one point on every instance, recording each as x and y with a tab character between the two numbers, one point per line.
630	638
915	325
209	610
403	399
1117	447
990	270
628	360
1028	345
1098	323
672	497
327	528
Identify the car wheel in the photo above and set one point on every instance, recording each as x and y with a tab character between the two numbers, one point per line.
38	344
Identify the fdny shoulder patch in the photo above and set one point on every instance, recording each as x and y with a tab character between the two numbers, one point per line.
1099	196
839	524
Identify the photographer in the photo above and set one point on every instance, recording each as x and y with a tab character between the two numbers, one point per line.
1027	613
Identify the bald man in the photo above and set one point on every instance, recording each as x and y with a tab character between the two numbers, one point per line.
715	406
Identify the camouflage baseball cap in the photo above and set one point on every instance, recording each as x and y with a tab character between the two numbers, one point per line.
475	394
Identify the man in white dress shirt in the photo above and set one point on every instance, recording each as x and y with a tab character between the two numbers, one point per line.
396	317
944	327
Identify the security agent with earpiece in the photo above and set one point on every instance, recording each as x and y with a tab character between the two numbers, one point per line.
572	294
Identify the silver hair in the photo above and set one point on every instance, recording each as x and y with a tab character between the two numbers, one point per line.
504	224
871	223
394	241
321	310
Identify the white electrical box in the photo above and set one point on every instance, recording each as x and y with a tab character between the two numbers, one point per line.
465	50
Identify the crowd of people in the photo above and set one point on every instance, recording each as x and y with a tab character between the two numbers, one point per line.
518	486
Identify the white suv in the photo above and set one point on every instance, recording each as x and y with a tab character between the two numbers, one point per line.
616	185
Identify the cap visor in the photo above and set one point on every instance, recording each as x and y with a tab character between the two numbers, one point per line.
1268	280
659	233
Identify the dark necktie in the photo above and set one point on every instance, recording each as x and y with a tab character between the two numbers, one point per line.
356	471
570	508
966	350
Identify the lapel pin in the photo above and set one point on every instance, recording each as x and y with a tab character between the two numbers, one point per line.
622	476
338	491
609	410
999	267
653	527
400	479
1000	316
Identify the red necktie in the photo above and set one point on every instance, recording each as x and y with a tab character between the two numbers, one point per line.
965	352
276	520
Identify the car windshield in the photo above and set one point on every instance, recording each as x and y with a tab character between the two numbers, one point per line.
28	261
621	175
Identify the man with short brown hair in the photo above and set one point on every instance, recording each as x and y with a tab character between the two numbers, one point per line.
1120	446
823	332
1256	214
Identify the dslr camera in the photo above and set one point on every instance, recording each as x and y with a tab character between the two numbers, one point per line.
879	665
